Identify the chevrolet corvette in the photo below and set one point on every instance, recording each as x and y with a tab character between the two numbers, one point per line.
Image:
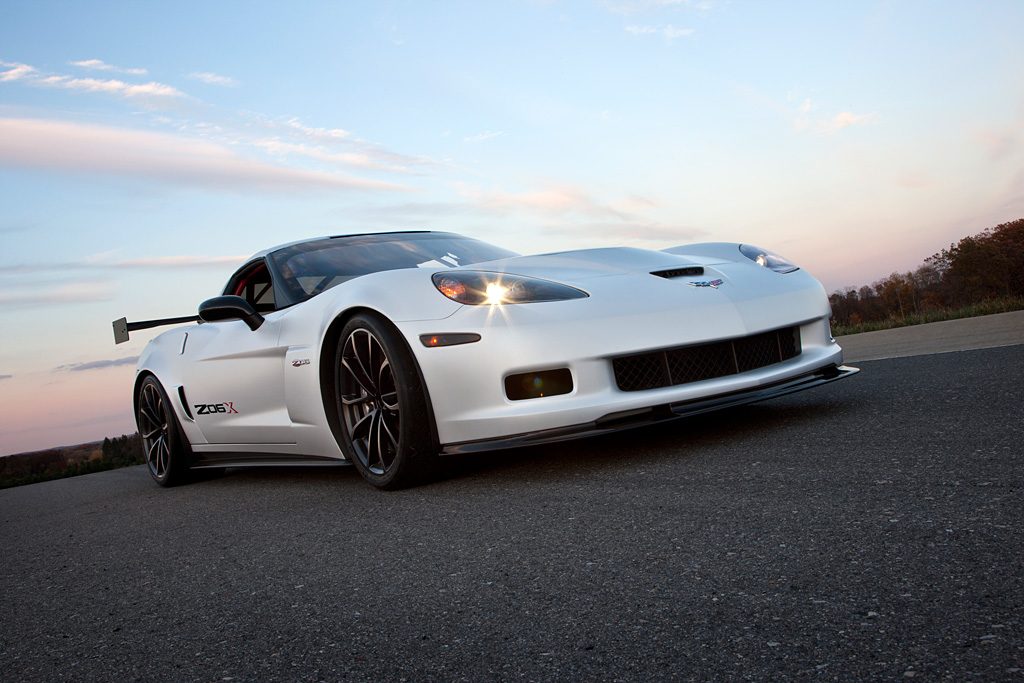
389	351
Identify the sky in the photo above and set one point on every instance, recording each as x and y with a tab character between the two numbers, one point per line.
147	148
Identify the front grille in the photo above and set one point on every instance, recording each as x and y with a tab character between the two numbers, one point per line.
686	364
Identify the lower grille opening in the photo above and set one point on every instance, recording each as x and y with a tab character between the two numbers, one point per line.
685	364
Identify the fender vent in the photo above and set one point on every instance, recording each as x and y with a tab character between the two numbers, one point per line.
679	272
685	364
184	402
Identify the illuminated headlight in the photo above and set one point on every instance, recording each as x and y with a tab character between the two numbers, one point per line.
478	287
768	259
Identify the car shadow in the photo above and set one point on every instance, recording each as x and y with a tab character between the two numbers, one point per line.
606	454
647	445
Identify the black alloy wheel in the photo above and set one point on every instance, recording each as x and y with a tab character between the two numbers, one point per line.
382	406
167	455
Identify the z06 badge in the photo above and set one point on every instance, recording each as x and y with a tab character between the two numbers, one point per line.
211	408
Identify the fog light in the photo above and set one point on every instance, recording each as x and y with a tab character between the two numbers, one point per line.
538	384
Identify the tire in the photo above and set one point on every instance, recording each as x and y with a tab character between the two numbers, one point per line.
167	454
382	408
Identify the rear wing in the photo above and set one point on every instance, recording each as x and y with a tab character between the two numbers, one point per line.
122	327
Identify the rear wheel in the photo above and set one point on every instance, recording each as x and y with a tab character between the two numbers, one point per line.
382	406
167	454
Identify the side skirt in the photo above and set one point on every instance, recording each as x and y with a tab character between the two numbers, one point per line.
265	460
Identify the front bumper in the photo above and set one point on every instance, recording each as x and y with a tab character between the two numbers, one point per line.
661	413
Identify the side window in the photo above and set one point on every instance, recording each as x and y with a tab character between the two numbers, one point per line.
253	284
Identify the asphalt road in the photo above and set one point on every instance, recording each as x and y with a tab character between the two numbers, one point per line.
872	529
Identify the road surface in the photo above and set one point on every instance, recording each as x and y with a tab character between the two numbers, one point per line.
871	529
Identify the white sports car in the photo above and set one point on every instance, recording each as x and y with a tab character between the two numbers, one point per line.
391	350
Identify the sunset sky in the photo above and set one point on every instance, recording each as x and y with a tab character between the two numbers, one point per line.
147	148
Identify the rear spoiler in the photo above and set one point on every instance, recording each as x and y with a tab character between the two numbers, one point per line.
122	327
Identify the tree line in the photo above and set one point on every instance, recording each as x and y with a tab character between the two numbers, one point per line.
985	267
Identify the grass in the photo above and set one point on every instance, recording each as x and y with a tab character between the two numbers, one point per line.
934	316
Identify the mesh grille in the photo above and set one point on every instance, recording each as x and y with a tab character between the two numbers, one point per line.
757	351
687	364
637	373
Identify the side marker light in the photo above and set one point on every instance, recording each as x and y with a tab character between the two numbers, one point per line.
435	340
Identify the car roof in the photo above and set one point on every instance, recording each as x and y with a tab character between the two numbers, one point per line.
384	237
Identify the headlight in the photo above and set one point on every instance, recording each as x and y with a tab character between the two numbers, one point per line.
768	259
477	287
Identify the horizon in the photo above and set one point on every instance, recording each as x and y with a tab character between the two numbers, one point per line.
147	150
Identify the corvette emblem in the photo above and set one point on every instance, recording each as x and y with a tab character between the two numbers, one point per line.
713	284
300	362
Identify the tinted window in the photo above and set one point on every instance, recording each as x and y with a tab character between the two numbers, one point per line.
252	283
307	269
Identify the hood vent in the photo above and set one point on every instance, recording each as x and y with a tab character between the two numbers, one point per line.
679	272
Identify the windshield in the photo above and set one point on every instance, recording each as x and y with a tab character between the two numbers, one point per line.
309	268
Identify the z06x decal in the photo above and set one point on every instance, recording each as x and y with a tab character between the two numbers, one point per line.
211	408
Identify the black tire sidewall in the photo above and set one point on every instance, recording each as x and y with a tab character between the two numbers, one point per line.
179	453
416	454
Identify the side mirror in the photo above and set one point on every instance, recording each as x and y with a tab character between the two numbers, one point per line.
230	308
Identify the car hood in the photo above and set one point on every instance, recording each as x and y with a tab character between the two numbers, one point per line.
571	266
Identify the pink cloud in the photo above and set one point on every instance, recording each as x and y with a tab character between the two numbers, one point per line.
845	120
78	148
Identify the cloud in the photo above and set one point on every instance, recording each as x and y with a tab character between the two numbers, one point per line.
633	203
16	71
572	212
333	146
561	202
77	148
280	137
152	92
101	66
483	136
99	364
629	7
845	120
669	31
77	293
827	126
664	235
323	136
2	377
915	180
213	79
175	262
1002	142
554	200
105	262
318	153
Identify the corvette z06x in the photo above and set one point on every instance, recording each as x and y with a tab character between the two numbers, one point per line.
389	351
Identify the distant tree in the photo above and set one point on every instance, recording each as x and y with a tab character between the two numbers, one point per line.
986	266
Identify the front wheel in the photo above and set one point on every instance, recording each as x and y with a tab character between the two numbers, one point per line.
167	453
382	406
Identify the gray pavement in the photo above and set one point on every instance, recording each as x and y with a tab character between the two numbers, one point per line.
871	529
989	331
